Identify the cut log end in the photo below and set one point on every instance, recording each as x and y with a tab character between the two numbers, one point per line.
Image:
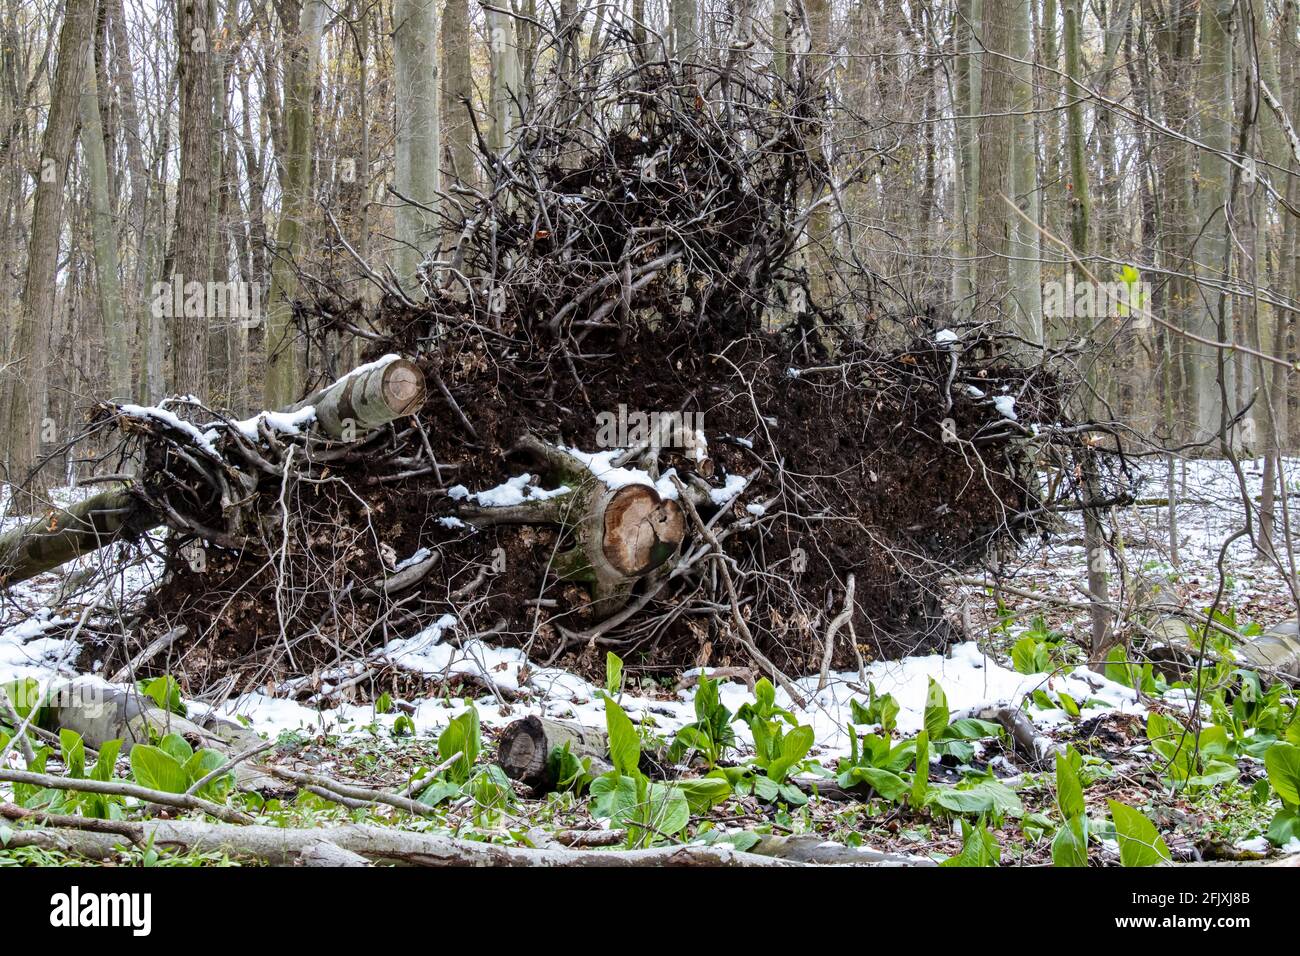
522	752
641	530
403	387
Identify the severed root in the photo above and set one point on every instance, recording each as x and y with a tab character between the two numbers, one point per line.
622	533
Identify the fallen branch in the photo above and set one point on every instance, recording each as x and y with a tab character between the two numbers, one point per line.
120	788
283	846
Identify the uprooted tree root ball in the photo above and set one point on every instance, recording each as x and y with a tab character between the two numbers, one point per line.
814	472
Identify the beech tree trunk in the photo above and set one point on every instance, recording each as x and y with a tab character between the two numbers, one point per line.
107	284
282	375
458	90
415	37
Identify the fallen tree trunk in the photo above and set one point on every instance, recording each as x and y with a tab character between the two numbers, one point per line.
364	399
368	397
283	846
59	536
100	713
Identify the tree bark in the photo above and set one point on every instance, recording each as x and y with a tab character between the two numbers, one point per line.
283	846
29	352
415	34
192	241
282	373
107	284
458	90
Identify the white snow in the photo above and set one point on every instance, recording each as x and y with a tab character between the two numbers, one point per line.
947	337
733	486
515	491
414	559
1006	406
286	423
452	522
369	366
170	419
602	466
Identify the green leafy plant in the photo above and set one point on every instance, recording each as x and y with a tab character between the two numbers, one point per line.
459	746
1191	760
978	847
165	692
711	735
627	797
979	794
880	709
877	762
174	766
24	695
613	674
1282	761
1143	678
780	746
1039	650
1140	844
1070	845
571	773
953	738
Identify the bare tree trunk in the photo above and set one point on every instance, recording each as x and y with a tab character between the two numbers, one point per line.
1213	320
29	352
970	73
1025	266
684	15
993	226
192	240
282	373
506	85
107	283
458	89
415	35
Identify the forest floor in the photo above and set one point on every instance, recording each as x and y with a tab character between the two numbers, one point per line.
1025	653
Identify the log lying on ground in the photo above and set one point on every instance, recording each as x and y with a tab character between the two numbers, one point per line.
527	745
1275	653
283	846
364	399
100	713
